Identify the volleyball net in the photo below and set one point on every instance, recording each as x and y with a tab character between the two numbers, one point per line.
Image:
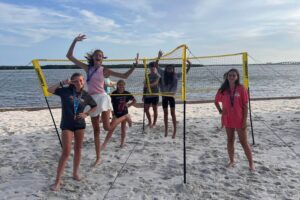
199	84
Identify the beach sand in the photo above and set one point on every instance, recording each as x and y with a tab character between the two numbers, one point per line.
151	166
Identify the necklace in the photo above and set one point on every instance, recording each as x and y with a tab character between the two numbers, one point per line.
76	102
231	96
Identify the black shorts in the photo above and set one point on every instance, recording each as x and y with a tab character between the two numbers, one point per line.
118	115
168	100
151	100
73	129
72	125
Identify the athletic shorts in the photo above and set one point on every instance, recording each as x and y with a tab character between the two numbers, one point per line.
73	128
151	100
120	114
103	102
168	101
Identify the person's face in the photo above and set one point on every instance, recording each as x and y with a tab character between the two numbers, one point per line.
78	82
98	57
121	87
152	69
232	76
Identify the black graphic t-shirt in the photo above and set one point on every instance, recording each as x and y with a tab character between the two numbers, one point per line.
69	107
119	102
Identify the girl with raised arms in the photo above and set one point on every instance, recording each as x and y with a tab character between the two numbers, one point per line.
95	82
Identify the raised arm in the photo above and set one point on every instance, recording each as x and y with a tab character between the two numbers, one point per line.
160	53
71	50
109	72
189	64
52	88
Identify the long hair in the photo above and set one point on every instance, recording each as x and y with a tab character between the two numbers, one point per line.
225	85
169	77
89	56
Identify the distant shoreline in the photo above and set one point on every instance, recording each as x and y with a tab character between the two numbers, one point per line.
7	67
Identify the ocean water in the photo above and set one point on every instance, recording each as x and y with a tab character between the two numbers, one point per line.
20	88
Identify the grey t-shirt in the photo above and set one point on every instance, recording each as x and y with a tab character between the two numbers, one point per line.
152	79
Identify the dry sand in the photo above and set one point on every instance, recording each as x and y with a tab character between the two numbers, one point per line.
151	166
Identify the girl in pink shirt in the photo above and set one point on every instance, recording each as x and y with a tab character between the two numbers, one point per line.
234	111
95	81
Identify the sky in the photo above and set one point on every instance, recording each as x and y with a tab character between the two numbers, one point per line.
269	30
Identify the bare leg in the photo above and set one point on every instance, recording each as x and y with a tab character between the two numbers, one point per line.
166	120
78	137
147	106
154	114
242	133
129	121
230	146
67	137
96	127
108	136
111	126
173	114
123	133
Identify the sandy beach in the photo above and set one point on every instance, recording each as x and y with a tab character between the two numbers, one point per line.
151	166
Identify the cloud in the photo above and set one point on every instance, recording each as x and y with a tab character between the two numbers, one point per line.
29	25
102	24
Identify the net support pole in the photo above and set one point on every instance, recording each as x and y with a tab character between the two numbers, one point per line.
184	109
53	122
44	87
144	117
145	70
184	148
246	84
250	115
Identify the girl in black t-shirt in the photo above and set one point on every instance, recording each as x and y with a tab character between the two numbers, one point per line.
121	101
73	100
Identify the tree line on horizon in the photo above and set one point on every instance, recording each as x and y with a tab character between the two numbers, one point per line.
20	67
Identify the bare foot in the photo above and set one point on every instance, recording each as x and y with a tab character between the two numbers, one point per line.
98	162
103	146
252	168
56	186
231	165
123	145
152	125
166	134
173	136
76	177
